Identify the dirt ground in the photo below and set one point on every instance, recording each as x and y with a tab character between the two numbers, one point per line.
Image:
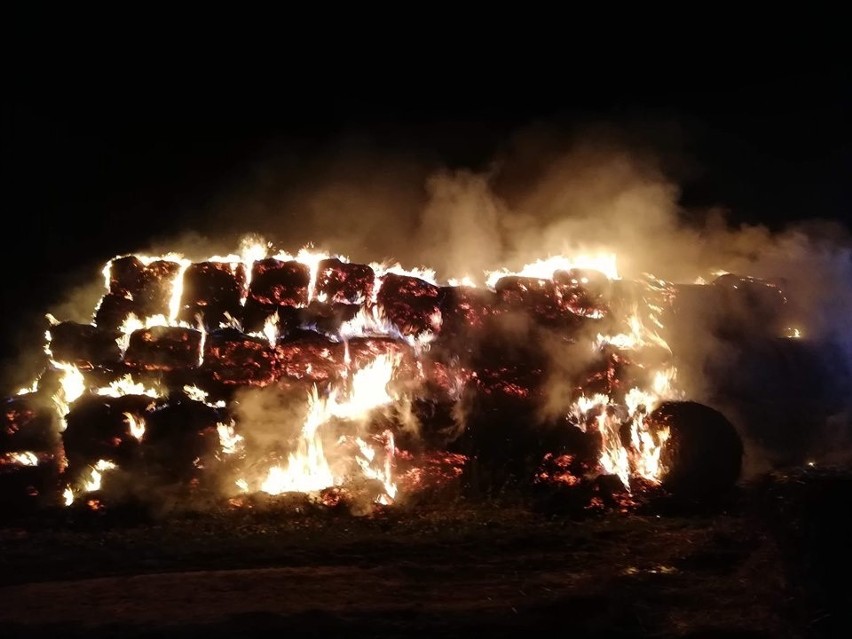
765	563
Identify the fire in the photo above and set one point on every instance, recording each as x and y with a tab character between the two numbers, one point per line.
422	273
544	269
334	443
271	330
639	336
177	290
92	483
72	385
126	386
368	390
467	280
229	441
308	468
369	322
641	457
26	458
198	395
384	474
136	425
793	333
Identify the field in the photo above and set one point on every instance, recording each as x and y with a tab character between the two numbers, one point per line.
769	561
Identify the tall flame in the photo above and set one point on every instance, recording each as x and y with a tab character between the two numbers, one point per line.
308	468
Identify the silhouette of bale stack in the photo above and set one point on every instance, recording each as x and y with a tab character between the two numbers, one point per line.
281	323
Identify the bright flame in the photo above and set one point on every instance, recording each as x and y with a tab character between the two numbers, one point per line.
198	395
136	425
369	322
642	455
32	388
26	458
368	390
93	483
544	269
271	329
793	333
177	290
229	440
126	386
312	260
467	280
639	336
384	474
308	468
423	273
72	384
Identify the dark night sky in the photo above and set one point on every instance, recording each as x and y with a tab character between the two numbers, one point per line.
91	134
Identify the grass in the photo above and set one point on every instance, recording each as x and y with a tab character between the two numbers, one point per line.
758	565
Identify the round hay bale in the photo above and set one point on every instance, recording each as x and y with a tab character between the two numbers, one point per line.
703	453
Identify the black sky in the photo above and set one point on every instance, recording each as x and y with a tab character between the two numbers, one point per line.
91	135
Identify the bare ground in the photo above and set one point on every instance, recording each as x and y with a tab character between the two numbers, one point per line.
762	564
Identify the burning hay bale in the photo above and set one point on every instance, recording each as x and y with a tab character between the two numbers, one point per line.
465	311
164	348
733	308
328	318
233	358
584	292
180	438
84	345
26	424
213	290
277	283
395	374
540	299
611	372
103	428
750	306
410	303
112	311
309	355
26	482
363	350
343	283
149	286
703	452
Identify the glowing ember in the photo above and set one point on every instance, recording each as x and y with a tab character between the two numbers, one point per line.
793	333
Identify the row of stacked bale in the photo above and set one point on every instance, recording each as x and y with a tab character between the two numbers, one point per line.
493	349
